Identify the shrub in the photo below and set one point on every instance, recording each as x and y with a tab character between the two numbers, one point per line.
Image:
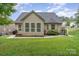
52	32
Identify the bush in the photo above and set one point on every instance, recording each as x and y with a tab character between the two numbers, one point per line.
52	32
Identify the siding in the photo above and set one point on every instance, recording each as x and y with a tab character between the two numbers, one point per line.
57	27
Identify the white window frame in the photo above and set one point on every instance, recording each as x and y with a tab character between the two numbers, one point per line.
32	27
27	27
39	27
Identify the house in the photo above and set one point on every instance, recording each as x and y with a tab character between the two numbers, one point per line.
37	23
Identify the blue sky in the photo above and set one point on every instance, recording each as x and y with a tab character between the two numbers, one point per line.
61	9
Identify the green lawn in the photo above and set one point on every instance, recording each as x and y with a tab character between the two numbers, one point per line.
64	45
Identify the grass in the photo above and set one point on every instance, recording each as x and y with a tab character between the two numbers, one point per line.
57	46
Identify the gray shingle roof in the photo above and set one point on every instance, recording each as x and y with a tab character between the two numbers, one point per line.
49	17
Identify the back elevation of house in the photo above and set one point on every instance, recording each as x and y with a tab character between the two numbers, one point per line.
37	23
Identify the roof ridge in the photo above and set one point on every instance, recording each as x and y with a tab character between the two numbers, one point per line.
47	16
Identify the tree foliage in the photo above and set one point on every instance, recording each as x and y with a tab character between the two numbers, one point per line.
68	20
6	9
5	21
77	16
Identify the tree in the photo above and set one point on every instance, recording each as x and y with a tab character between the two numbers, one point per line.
69	20
6	9
66	19
5	21
77	16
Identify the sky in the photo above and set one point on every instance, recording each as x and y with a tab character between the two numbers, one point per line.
61	9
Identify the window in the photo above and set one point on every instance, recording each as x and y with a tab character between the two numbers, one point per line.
38	27
27	27
53	26
32	27
19	27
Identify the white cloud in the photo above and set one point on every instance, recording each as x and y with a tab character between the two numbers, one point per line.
53	9
30	10
57	6
60	10
21	6
38	11
17	6
66	12
48	7
24	11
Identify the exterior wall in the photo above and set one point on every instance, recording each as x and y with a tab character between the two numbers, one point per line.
16	25
18	28
32	19
45	27
57	27
49	26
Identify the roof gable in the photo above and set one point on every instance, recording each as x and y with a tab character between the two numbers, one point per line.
23	16
47	17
